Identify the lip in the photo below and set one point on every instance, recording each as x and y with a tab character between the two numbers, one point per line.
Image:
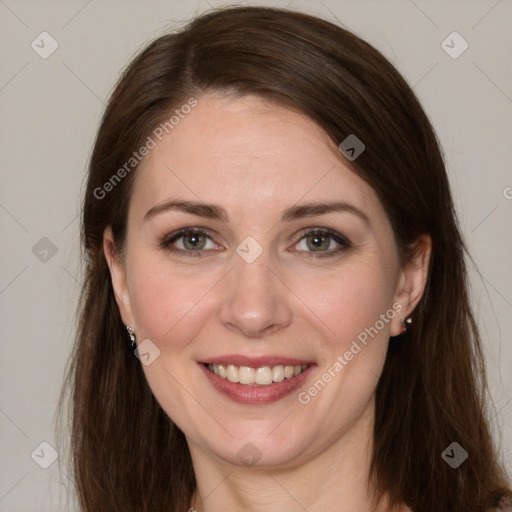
255	362
255	395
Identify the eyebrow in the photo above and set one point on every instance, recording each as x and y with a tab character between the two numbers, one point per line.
215	212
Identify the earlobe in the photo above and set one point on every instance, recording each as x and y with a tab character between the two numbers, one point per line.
412	281
117	276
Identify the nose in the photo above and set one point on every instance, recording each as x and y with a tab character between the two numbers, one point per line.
256	302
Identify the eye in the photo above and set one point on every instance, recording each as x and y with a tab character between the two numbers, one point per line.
323	242
314	243
189	241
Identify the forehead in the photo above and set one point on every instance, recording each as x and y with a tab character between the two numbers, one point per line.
247	152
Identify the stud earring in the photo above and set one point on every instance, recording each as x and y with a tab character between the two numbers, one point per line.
131	334
408	321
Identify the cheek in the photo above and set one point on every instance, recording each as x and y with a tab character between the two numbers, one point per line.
356	308
353	300
162	300
178	309
173	305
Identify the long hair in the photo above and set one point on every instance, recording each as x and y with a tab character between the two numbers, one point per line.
127	455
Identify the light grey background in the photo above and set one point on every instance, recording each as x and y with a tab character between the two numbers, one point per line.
50	109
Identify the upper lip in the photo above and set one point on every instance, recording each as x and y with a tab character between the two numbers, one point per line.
255	362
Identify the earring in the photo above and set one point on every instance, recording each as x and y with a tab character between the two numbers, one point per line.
407	320
131	334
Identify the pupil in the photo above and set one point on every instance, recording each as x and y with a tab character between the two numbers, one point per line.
193	240
317	240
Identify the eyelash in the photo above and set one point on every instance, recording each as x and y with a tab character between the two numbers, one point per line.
340	239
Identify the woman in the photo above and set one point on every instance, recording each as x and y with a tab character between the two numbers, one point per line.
275	312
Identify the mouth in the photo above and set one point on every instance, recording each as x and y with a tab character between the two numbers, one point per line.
260	376
256	380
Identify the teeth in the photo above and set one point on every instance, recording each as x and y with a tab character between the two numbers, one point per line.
222	371
278	373
289	371
231	373
263	376
246	375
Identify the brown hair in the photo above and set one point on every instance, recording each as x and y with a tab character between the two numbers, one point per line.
127	454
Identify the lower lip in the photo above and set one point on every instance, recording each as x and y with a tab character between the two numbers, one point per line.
247	394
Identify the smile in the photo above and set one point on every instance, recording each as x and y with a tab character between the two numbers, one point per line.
261	376
258	379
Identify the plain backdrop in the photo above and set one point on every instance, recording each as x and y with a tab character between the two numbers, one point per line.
50	109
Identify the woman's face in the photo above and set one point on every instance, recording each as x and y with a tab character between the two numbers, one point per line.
277	288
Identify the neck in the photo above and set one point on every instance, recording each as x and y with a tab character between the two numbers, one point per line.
334	479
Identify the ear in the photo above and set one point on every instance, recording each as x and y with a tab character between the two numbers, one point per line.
118	277
412	280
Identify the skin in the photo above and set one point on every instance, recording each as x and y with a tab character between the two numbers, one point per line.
255	159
